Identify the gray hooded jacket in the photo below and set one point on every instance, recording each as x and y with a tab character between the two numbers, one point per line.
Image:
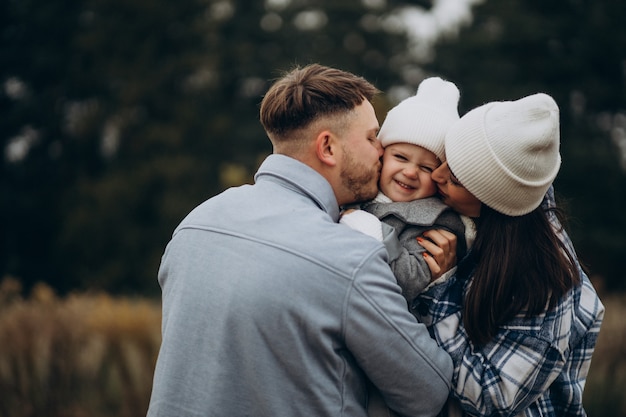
409	220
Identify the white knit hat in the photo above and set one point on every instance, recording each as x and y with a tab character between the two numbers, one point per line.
425	118
507	153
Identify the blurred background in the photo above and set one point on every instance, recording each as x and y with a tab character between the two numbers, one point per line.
117	117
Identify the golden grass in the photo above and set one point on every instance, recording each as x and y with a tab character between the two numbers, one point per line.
84	355
605	392
92	355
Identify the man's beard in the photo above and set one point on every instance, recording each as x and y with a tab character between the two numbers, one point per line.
360	180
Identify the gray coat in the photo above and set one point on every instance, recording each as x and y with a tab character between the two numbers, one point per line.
272	308
410	220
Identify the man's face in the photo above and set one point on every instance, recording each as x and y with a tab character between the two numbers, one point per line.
361	152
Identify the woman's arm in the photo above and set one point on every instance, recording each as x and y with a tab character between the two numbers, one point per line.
510	373
515	369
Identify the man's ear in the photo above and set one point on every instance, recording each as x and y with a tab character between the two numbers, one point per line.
327	148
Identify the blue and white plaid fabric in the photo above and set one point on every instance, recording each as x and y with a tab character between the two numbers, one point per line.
535	366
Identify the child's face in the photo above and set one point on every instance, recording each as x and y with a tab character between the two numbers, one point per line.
406	172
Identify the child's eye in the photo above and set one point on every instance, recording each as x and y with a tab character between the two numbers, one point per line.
426	169
400	157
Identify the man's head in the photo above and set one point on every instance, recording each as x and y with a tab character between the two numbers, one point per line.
323	117
305	95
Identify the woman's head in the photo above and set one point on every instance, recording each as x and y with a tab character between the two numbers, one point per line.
501	160
454	194
505	154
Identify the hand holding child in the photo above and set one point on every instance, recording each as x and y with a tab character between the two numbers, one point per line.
440	252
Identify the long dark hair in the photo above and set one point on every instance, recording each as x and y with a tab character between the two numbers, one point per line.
521	267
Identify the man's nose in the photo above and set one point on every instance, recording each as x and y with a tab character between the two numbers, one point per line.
379	148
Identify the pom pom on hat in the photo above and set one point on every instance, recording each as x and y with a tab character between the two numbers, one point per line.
425	118
507	153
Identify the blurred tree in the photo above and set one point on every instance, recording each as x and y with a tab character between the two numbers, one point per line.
574	50
119	116
35	53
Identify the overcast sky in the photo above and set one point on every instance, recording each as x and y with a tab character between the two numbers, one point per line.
424	27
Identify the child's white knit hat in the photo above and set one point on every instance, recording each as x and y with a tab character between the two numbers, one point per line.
425	118
507	153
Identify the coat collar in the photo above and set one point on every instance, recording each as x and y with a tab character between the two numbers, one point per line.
301	178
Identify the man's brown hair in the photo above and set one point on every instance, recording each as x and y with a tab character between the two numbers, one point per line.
305	94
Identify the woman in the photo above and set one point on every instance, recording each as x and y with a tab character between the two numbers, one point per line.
519	318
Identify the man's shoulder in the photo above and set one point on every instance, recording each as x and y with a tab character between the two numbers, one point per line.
348	250
353	241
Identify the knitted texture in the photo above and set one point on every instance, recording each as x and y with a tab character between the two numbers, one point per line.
425	118
507	153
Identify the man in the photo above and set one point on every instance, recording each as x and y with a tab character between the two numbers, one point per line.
272	308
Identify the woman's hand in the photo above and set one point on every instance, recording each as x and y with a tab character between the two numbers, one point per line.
440	255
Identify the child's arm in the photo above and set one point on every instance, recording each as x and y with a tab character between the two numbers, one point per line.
369	224
406	256
410	267
364	222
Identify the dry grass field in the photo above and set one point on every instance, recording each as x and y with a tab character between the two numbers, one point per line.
605	392
80	356
92	355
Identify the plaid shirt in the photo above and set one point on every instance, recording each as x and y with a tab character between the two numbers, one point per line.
534	366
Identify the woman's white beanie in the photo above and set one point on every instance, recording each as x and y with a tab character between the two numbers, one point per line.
507	153
425	118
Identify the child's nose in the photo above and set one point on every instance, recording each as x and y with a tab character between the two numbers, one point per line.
411	172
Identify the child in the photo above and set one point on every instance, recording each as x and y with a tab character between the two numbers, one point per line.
413	137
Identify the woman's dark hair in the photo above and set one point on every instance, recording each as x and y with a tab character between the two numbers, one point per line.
305	94
521	267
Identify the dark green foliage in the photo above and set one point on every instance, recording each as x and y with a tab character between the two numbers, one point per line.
135	111
574	50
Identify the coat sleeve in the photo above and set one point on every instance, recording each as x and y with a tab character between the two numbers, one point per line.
409	266
396	352
511	372
507	375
